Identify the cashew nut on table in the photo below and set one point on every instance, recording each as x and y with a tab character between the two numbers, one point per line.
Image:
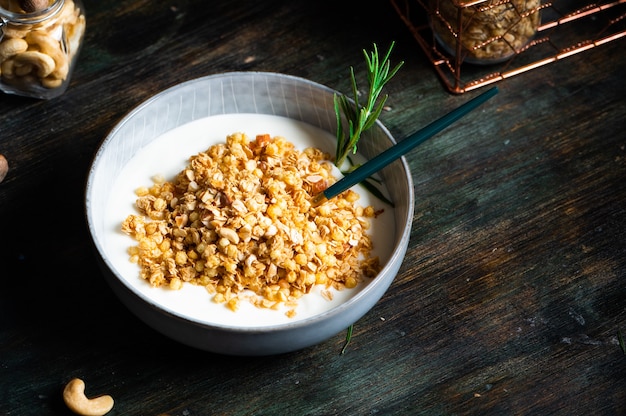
4	167
75	399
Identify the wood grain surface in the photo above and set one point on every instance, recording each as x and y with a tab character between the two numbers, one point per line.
510	298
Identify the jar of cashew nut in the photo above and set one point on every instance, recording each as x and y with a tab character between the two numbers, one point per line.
484	31
39	45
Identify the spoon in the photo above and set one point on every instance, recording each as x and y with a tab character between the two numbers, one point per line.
394	152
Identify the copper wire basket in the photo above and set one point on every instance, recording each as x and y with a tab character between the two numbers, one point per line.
567	27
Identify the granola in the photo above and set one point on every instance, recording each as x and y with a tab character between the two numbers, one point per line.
491	30
238	219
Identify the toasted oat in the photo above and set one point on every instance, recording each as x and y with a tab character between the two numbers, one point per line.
239	217
491	30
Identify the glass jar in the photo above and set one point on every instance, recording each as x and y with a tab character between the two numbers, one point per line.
487	31
38	49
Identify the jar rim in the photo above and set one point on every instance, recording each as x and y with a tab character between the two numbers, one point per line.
33	17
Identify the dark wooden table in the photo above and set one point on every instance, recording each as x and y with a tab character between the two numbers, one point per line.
511	296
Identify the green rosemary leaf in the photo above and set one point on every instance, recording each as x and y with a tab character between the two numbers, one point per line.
621	341
370	184
348	338
373	189
340	133
355	90
374	116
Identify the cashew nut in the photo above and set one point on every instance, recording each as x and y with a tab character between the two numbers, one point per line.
4	167
23	70
75	399
45	43
7	68
11	32
44	63
75	34
11	46
51	82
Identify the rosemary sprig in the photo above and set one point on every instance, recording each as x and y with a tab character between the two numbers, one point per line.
362	117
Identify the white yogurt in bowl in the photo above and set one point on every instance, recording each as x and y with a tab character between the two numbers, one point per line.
166	156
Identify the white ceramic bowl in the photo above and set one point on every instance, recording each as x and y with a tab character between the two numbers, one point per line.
159	135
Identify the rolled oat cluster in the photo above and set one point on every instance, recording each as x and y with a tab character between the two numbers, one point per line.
239	217
38	52
490	31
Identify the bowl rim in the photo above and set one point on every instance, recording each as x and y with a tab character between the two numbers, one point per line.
372	284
